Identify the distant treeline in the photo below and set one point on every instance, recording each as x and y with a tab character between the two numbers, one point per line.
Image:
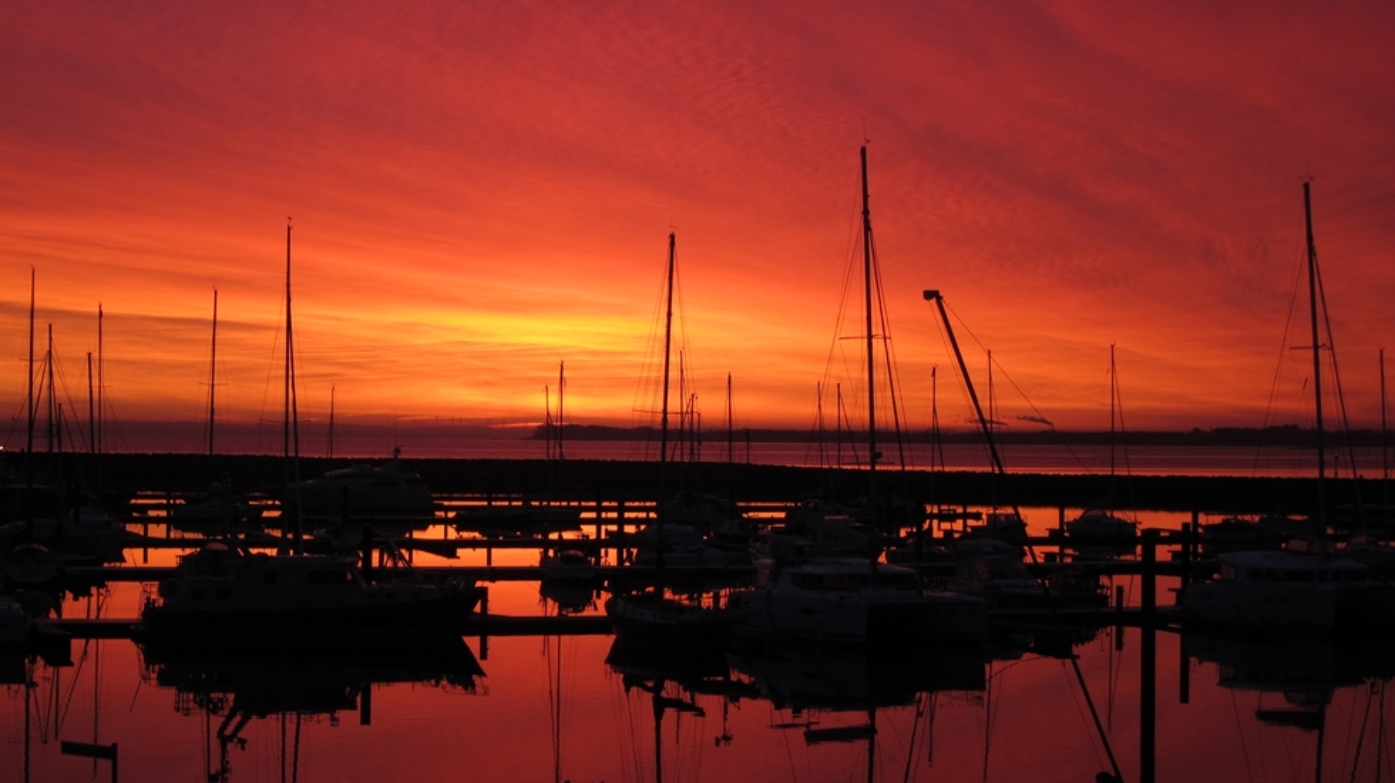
1285	436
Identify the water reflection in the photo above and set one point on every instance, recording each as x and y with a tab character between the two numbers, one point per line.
234	686
1295	680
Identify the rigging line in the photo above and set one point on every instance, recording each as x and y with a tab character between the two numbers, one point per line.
1283	352
961	384
1118	395
914	733
1240	732
272	366
1341	396
295	751
893	377
1012	382
1361	736
850	268
1080	712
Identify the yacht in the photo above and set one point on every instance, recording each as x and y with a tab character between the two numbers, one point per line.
1292	591
364	492
855	601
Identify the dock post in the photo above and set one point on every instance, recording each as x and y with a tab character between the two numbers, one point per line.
1148	664
365	705
367	544
1119	615
484	616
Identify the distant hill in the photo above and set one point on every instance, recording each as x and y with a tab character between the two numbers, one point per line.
1285	436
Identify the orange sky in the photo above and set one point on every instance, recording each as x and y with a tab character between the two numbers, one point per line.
482	190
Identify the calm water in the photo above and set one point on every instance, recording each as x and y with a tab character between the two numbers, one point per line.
554	708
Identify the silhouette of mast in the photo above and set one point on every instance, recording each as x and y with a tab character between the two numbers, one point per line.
1317	353
871	353
291	420
29	443
212	375
668	341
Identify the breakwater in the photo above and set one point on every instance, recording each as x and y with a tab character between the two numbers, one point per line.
589	480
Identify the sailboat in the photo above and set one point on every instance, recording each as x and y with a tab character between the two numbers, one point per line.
859	601
1096	529
1294	590
225	596
653	616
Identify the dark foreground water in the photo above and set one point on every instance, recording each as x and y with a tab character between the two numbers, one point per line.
573	708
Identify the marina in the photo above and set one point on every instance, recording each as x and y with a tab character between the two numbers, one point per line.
762	392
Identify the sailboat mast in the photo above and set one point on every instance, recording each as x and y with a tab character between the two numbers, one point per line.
91	422
101	386
292	419
668	340
730	452
29	444
561	392
52	398
1113	394
212	374
1317	351
1384	451
871	354
330	449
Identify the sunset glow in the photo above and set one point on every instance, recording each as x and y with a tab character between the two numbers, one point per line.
480	191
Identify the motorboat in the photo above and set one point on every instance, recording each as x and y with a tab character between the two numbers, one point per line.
1096	525
857	601
1293	591
1002	580
363	492
568	565
659	618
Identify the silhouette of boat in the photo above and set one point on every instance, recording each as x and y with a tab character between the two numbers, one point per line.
858	602
246	599
364	492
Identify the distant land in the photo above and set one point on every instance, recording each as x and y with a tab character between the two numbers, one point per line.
442	436
1283	436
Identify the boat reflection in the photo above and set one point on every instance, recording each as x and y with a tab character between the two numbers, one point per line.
237	686
1296	678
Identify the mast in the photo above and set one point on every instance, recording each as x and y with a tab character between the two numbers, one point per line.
91	423
291	434
52	400
330	448
730	453
1317	353
212	374
29	444
101	387
1384	452
668	340
1113	394
561	390
871	354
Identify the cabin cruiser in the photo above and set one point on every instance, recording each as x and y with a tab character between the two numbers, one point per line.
857	601
659	618
1293	591
1098	525
1002	580
228	593
363	492
568	565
